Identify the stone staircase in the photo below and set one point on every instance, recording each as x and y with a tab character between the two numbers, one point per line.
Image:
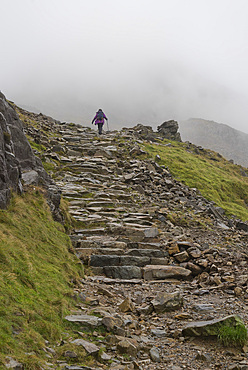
119	203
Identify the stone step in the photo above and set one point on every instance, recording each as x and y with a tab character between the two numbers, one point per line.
154	272
85	253
121	272
100	203
98	231
92	248
102	260
145	245
149	273
136	223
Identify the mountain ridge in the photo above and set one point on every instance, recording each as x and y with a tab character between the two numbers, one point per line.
220	137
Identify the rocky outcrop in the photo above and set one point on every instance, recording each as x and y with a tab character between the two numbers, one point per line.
169	130
18	164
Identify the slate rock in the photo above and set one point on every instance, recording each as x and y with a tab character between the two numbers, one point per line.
210	327
89	347
110	322
165	302
30	177
152	232
123	272
154	354
155	272
126	347
160	333
126	305
13	364
181	256
86	320
70	354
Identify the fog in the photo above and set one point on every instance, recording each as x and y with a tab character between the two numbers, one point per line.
141	61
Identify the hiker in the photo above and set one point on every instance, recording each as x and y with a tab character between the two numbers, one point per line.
99	120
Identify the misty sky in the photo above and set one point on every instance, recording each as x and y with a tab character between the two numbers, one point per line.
141	61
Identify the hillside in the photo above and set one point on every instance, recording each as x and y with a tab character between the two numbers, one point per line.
36	275
163	261
231	143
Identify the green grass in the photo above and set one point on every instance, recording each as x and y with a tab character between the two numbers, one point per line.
37	272
217	179
233	336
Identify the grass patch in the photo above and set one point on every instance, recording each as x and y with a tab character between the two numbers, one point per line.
37	272
217	179
233	336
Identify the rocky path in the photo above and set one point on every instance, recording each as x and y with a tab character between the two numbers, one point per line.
158	257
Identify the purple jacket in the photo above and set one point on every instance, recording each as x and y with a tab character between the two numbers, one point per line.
99	120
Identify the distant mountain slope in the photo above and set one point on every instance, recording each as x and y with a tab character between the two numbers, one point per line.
231	143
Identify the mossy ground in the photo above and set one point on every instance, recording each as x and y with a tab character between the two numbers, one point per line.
217	179
37	273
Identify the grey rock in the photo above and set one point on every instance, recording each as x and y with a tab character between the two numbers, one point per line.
104	260
151	232
110	322
70	354
13	364
16	156
105	357
203	357
154	353
169	130
125	346
210	327
160	333
86	320
89	347
165	302
123	272
30	177
75	367
154	272
134	261
203	307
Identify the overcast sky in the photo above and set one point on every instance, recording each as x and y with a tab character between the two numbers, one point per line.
141	61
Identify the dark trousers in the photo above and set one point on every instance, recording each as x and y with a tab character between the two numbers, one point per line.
100	124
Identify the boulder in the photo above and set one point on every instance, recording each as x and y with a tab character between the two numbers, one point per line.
169	130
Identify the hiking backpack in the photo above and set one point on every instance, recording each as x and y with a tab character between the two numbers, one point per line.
100	115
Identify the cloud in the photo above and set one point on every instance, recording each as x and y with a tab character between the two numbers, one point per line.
141	61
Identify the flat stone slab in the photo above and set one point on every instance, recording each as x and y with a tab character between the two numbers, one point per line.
146	253
123	272
104	260
89	347
154	272
210	327
106	280
98	231
86	320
